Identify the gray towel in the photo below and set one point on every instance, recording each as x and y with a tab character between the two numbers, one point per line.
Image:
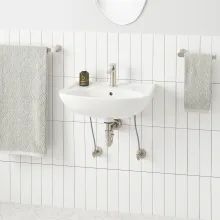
23	76
198	74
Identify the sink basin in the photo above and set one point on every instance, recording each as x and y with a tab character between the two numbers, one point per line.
102	101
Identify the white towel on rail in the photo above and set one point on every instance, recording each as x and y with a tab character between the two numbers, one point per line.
23	89
198	77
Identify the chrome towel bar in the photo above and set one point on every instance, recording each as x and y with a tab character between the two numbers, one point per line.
182	52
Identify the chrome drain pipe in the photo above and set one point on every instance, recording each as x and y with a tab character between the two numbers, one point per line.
109	131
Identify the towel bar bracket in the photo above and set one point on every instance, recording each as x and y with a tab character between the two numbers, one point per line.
57	48
182	52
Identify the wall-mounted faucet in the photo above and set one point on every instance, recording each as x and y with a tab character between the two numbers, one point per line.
112	73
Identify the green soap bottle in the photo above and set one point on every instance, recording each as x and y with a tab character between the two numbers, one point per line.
84	78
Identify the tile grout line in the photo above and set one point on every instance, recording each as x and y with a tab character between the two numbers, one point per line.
129	162
107	163
96	129
141	46
20	155
211	146
122	170
74	51
175	130
47	78
84	128
187	179
135	80
152	193
200	42
10	155
52	123
74	147
147	126
164	137
63	62
118	45
31	158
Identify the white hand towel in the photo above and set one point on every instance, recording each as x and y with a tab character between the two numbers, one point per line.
23	80
198	77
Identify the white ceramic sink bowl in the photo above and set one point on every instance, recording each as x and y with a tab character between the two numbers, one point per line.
102	101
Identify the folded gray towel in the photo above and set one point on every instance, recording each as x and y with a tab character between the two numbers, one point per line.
198	75
23	80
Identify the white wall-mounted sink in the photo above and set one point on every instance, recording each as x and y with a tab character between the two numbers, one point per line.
102	101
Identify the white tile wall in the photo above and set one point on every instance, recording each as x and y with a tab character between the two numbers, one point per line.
181	176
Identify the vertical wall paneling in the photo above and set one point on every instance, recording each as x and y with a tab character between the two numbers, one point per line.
181	196
158	61
124	195
205	198
147	195
170	58
170	150
113	190
91	54
170	200
181	120
215	153
124	66
68	53
91	193
69	183
124	154
5	172
181	151
146	143
180	176
216	65
158	150
102	189
102	55
80	186
47	185
193	197
193	152
80	61
215	198
15	184
182	43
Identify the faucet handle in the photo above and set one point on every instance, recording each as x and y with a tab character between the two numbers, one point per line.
112	73
112	67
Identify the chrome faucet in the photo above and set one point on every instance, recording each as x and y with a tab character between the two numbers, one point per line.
112	73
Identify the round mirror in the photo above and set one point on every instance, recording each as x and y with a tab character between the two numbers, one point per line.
122	12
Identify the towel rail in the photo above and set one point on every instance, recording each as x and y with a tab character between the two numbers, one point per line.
57	48
182	52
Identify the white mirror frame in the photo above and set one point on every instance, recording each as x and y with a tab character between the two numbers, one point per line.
122	12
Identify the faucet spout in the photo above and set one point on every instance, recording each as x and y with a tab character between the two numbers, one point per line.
113	75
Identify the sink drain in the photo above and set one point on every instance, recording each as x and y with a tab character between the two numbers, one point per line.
110	93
